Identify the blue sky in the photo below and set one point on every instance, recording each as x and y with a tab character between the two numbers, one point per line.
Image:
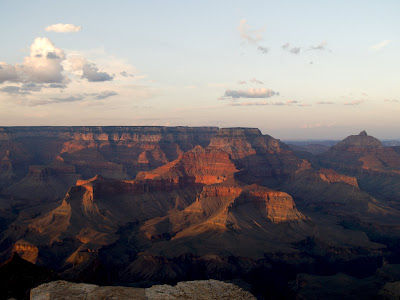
294	69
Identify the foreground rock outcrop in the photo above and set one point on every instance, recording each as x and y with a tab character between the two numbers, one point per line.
205	289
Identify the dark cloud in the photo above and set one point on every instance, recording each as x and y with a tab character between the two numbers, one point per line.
51	55
7	72
104	95
126	74
92	74
31	86
56	86
293	50
24	89
65	99
13	90
263	50
249	93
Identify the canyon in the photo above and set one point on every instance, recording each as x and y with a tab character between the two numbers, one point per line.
142	206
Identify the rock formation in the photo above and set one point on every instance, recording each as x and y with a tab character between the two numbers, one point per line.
191	290
362	152
156	205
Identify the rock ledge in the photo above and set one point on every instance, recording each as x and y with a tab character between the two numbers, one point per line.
202	289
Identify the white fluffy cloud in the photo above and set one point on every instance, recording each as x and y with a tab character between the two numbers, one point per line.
43	65
63	28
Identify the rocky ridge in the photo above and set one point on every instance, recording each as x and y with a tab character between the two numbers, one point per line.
191	290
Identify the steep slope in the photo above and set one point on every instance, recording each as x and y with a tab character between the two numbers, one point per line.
260	156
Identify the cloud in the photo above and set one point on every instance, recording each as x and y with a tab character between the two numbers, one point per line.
325	102
293	50
7	72
251	36
43	65
318	125
92	74
56	86
321	46
263	50
25	89
13	90
51	100
242	82
67	99
63	28
285	46
355	102
266	103
292	102
126	74
104	95
380	46
253	80
392	100
249	93
89	70
48	75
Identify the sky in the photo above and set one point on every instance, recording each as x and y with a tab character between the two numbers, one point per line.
293	69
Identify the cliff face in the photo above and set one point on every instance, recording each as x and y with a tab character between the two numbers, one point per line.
331	176
259	155
42	145
200	165
33	155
